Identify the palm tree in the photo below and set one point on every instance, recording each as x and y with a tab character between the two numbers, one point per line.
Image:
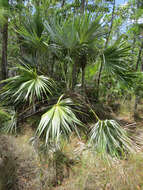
78	38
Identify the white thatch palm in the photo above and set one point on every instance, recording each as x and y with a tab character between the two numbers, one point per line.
108	137
59	121
28	86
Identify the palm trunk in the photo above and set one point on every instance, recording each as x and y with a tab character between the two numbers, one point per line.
4	50
52	66
82	8
106	44
83	65
98	80
74	76
63	3
83	77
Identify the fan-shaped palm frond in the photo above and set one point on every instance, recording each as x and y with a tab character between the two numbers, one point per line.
109	137
3	13
76	34
58	121
10	126
116	60
31	33
27	86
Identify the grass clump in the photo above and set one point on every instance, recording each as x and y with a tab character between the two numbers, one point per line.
18	165
94	173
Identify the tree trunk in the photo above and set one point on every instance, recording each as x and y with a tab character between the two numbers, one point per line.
98	80
83	77
52	66
137	65
106	44
83	65
139	56
82	8
4	50
74	75
111	26
63	3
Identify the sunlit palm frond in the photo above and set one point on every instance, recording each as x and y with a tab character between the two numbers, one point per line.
27	86
59	121
10	126
117	60
108	137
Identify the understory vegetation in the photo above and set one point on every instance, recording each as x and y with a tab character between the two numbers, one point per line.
71	95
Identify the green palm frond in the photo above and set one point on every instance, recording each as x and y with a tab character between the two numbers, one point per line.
76	35
31	33
10	126
31	38
27	86
108	137
4	11
117	60
59	121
